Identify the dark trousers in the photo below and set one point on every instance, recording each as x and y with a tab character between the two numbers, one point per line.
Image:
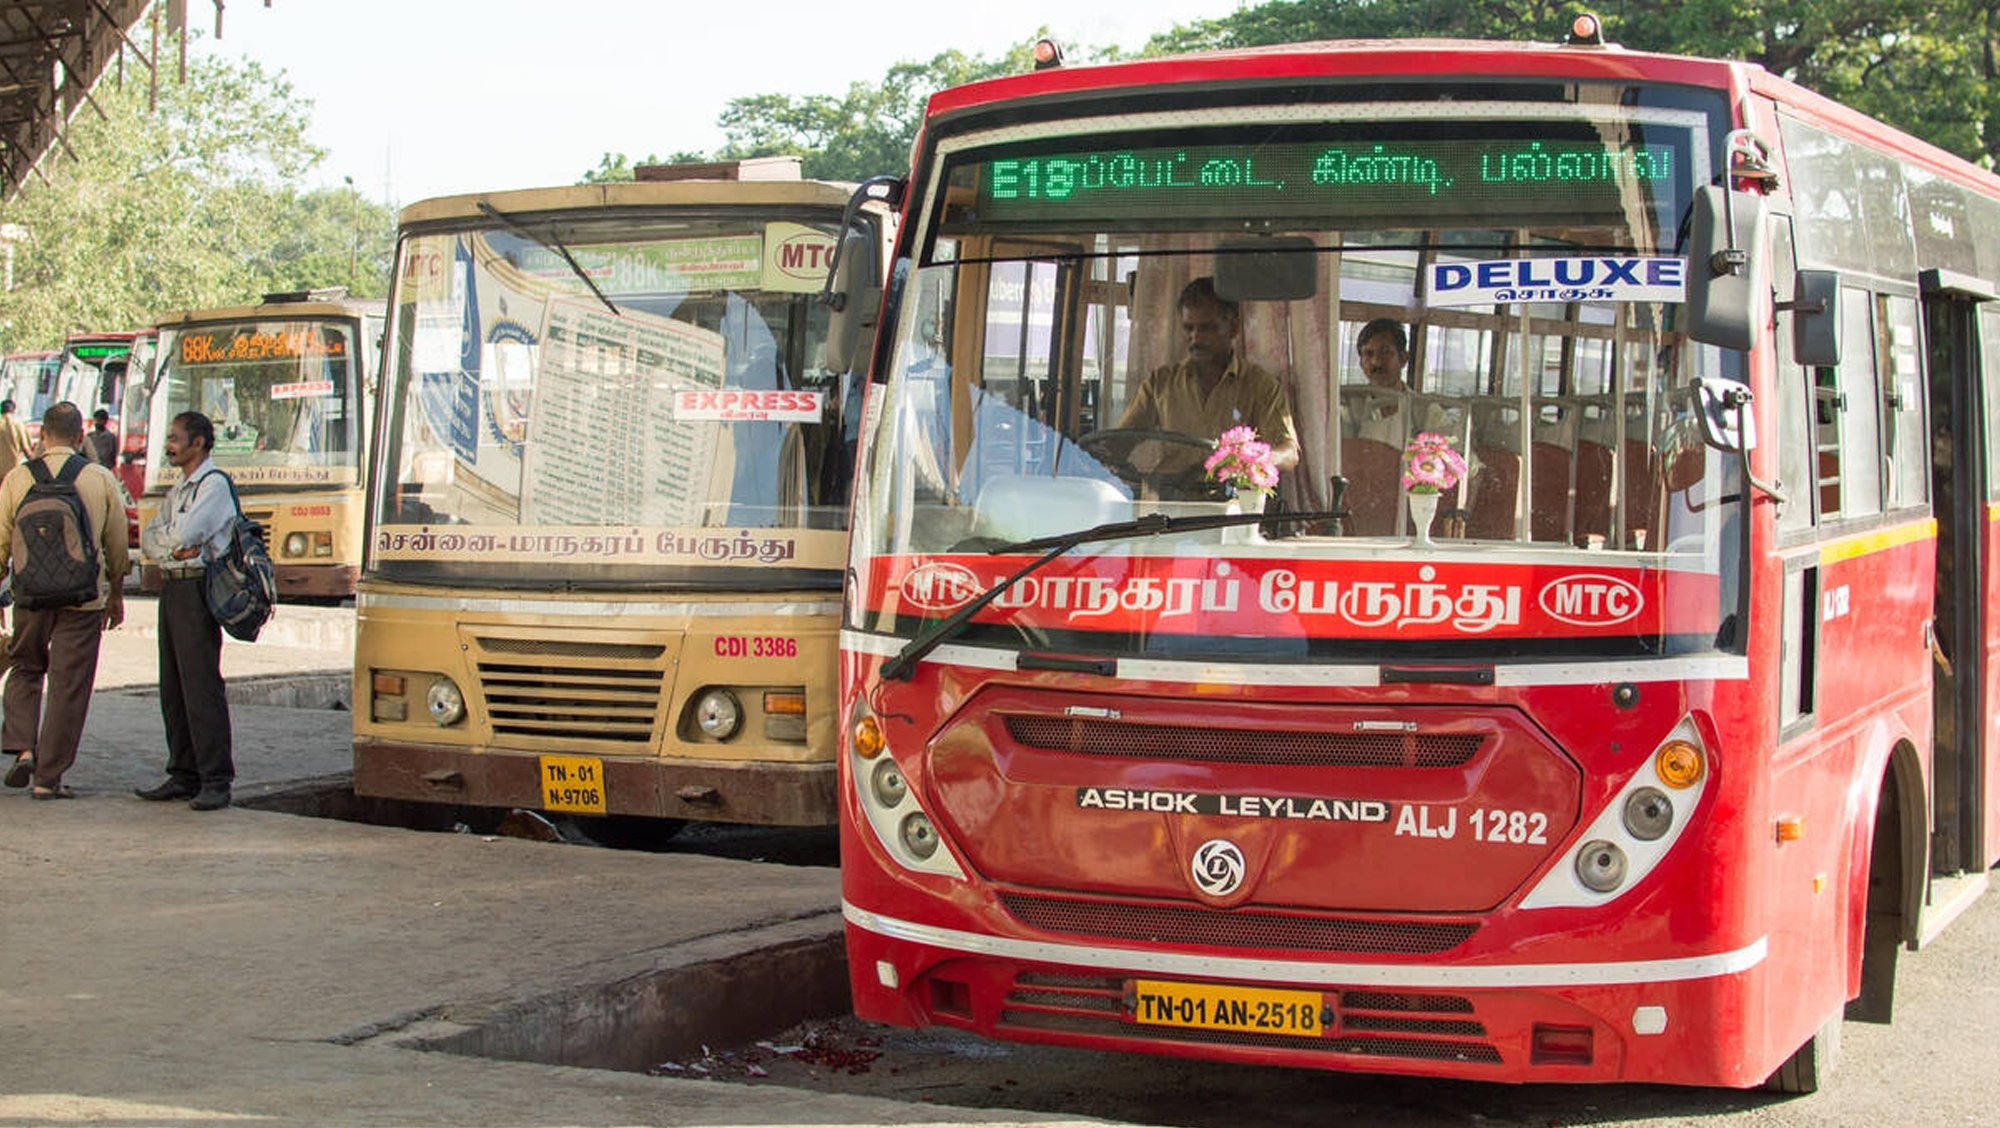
192	701
57	645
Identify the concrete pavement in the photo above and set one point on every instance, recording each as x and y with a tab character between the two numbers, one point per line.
164	966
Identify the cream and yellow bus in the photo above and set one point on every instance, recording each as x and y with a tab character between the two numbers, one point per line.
287	384
608	507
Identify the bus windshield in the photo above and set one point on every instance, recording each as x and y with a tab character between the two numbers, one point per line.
615	401
282	394
1090	313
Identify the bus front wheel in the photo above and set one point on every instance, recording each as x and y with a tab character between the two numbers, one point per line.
1812	1064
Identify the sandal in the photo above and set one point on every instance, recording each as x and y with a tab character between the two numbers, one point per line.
52	793
20	771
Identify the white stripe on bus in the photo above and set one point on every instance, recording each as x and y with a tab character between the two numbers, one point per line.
1709	667
1315	973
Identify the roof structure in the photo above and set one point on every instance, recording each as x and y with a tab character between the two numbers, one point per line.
52	53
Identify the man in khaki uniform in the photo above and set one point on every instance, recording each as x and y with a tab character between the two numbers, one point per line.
59	644
1214	389
14	443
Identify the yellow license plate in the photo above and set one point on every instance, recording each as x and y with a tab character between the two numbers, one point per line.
1212	1006
573	783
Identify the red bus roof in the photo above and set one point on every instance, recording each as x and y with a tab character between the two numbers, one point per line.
1357	58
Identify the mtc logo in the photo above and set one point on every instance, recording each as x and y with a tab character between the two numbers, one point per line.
1592	601
805	256
940	587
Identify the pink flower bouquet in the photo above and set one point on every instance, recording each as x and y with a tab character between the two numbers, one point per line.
1242	461
1430	465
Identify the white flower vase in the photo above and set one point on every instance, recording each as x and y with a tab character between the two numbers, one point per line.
1245	501
1423	510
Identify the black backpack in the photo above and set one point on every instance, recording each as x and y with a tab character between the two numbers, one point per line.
241	584
54	558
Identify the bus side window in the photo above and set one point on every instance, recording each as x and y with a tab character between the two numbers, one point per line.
1903	426
1845	415
1794	421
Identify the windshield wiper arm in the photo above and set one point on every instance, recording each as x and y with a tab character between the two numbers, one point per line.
551	243
904	663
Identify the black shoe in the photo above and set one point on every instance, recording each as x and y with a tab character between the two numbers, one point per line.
210	799
165	791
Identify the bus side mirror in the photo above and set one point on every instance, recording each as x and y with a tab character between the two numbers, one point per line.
1726	269
1280	269
855	296
1815	307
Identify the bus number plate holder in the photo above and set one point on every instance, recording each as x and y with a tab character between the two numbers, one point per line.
1216	1006
573	783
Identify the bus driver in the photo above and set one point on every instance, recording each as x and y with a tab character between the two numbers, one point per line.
1214	389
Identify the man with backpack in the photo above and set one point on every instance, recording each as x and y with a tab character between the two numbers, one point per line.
62	536
192	527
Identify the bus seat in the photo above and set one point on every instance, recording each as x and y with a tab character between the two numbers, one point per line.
1548	509
1374	473
1015	507
1492	494
1593	490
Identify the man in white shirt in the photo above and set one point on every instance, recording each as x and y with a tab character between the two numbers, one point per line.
191	528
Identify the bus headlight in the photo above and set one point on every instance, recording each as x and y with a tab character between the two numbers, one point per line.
446	703
919	836
1649	814
1600	865
889	784
718	714
295	544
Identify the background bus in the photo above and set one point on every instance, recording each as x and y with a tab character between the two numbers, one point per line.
609	503
22	375
1632	775
287	384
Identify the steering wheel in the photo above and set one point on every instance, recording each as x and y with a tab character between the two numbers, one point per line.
1113	447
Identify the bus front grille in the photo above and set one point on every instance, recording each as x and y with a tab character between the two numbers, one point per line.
1366	1023
1154	922
549	689
1190	743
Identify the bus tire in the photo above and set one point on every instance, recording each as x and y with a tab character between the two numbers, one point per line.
1812	1064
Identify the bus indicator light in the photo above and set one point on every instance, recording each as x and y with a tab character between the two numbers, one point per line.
868	742
1679	765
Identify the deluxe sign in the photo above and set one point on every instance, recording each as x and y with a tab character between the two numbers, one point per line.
741	405
1583	278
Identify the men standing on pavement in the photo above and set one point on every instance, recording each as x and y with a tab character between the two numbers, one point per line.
191	528
14	445
103	447
62	536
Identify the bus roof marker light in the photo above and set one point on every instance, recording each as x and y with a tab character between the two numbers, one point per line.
1048	54
1679	764
1585	30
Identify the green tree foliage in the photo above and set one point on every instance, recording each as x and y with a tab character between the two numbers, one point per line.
866	131
192	205
1927	68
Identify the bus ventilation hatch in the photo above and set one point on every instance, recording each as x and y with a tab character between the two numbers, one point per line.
1187	924
593	691
1367	1023
1189	743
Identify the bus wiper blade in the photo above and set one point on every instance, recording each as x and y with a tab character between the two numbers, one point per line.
553	244
903	665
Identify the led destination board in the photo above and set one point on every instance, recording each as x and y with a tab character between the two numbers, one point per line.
281	342
1569	178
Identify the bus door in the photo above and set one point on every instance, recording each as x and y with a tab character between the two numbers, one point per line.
1963	333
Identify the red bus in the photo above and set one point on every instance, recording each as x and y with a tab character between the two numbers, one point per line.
94	374
1640	761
